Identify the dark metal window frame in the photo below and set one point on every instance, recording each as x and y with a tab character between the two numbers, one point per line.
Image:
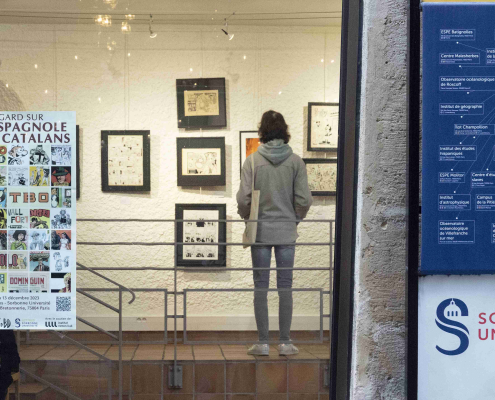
412	196
343	299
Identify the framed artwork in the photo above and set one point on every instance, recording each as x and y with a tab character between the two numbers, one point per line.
323	126
198	253
201	103
201	161
78	167
322	176
125	161
249	143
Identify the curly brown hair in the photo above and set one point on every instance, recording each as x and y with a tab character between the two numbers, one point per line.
273	126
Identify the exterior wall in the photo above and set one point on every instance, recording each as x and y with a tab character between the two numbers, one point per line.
378	361
128	82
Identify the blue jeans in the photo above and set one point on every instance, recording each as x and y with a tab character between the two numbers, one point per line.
261	257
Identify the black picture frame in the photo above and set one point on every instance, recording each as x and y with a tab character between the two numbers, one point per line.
180	260
145	187
311	182
78	165
333	121
243	135
201	121
201	143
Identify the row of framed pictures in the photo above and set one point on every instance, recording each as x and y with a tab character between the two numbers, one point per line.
201	103
201	162
322	172
125	161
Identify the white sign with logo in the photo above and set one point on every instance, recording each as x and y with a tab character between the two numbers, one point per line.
456	337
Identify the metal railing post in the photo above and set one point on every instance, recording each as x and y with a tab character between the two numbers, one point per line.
175	306
121	370
330	289
175	371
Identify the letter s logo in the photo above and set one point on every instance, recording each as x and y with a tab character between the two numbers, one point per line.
17	323
453	308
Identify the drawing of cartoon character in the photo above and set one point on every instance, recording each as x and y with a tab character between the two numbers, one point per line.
38	156
19	240
67	281
41	267
64	241
61	175
58	261
55	241
36	242
3	219
3	197
3	240
16	155
37	223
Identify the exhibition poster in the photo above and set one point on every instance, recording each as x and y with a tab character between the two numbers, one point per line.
458	175
38	220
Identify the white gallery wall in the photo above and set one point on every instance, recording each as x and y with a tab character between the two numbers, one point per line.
116	82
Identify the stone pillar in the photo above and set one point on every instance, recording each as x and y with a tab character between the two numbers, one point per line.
378	359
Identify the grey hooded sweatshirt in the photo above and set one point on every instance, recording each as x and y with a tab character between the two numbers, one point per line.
281	177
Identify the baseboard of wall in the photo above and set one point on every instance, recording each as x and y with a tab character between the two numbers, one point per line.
201	323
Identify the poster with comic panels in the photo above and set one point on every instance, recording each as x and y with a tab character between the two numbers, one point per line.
38	220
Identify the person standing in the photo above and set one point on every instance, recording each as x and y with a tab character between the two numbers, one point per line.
9	360
281	177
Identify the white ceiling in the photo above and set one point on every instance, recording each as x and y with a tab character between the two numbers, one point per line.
238	12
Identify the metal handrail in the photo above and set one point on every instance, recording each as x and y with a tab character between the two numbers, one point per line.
175	292
109	280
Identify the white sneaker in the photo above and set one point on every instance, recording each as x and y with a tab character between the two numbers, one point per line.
259	350
287	349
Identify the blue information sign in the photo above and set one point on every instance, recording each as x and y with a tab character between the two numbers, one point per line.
458	187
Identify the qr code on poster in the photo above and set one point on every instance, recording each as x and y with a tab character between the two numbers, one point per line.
63	304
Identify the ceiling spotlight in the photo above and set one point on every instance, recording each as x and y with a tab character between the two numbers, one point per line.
111	3
107	20
152	34
125	28
103	20
226	30
130	16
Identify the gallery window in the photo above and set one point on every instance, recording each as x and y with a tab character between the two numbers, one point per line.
168	99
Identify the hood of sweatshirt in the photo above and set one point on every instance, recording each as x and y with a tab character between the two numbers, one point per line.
275	151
